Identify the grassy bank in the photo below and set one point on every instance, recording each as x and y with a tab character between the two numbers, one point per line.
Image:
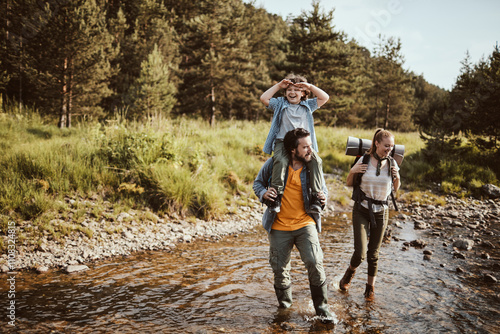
182	167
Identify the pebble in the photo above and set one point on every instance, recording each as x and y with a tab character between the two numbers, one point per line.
75	268
419	243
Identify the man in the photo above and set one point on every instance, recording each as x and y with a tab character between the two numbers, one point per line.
293	226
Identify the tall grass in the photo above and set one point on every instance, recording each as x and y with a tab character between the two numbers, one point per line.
179	165
175	165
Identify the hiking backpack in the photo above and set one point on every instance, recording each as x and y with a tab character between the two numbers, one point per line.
356	190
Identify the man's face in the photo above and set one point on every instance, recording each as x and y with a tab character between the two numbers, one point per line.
303	152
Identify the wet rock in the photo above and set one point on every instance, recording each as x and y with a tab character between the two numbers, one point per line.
458	255
42	269
428	252
419	243
487	244
75	268
485	256
427	257
488	278
491	191
420	225
464	244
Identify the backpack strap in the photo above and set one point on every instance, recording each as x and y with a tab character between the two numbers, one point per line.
393	197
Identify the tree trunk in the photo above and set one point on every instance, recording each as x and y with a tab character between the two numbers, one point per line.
64	102
20	74
386	123
212	105
69	100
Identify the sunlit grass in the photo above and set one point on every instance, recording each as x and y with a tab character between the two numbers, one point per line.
180	166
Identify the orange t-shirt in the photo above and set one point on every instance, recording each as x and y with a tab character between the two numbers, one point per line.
292	215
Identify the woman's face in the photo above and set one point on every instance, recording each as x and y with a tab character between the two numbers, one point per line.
384	147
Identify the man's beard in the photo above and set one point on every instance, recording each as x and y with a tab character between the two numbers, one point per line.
302	158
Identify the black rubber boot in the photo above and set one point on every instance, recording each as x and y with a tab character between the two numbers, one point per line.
284	296
320	300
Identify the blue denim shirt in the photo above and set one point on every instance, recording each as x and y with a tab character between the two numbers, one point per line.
278	105
262	182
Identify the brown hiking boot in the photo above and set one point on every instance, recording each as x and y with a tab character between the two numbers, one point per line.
369	293
345	282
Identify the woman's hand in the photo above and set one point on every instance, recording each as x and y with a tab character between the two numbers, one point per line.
395	173
359	168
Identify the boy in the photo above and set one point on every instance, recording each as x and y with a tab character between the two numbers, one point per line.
292	111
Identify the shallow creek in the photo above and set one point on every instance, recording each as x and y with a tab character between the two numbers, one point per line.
226	287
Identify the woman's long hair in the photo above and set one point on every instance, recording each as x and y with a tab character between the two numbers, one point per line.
379	135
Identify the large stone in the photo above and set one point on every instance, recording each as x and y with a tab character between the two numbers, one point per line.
465	244
491	190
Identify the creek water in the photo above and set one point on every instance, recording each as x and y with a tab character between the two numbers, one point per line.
226	287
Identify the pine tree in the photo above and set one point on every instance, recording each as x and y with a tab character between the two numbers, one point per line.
153	91
475	99
392	88
321	54
218	66
66	55
138	27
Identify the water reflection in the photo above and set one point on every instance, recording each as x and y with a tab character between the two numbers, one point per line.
226	287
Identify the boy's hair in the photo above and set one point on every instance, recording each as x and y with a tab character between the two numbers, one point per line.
379	135
296	79
291	140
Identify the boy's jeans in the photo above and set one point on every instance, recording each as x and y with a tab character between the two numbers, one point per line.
280	165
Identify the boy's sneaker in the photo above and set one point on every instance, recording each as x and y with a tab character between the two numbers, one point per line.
315	206
274	206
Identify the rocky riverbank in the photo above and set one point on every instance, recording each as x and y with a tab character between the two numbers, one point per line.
465	229
123	234
465	233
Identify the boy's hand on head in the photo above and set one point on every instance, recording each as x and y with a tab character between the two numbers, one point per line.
303	85
285	83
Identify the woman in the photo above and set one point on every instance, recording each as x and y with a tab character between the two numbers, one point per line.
370	215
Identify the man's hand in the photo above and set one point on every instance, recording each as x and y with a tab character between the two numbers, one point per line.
322	197
270	194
